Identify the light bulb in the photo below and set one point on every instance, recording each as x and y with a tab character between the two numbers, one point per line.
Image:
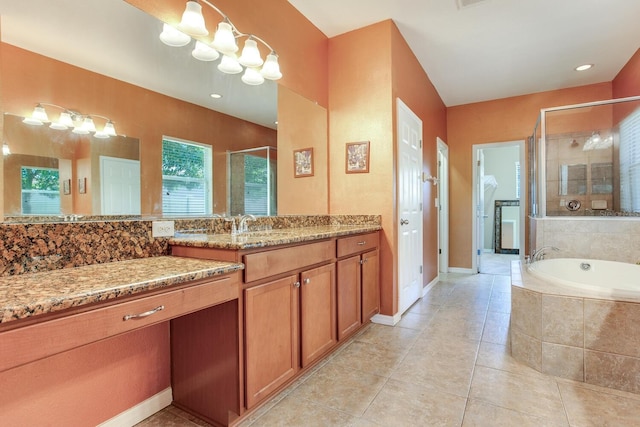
192	20
173	37
224	40
250	54
204	52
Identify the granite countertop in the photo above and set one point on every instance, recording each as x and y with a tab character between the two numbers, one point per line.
274	237
27	295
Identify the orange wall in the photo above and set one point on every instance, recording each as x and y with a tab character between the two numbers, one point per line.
362	108
88	385
413	87
625	84
499	120
302	124
29	78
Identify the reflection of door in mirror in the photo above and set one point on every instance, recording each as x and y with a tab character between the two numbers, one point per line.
252	181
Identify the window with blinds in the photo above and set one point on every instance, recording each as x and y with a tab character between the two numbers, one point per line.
40	191
186	178
630	163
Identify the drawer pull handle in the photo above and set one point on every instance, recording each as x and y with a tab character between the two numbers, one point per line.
364	242
145	314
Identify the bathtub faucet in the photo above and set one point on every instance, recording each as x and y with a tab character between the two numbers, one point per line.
538	254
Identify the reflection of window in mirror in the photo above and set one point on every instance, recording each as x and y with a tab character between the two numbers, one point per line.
601	178
630	163
573	179
40	191
186	178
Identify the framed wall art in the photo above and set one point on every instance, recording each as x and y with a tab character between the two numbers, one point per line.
357	157
303	162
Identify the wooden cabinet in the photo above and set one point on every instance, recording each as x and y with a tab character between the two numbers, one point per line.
317	312
271	334
358	290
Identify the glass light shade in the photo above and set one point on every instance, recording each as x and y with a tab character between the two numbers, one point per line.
192	20
252	77
110	129
101	134
64	122
250	54
38	117
224	41
271	68
6	150
229	65
173	37
88	125
80	130
204	52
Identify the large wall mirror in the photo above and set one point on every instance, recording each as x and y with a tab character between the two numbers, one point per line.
105	60
591	159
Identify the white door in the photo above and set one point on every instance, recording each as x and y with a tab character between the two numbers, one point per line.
409	207
479	209
119	186
443	206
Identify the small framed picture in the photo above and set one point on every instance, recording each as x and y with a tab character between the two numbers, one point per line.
66	186
357	157
303	162
82	185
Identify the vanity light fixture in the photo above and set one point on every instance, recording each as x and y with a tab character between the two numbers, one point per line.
596	142
82	124
224	43
583	67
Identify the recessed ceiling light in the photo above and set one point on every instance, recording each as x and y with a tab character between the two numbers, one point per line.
216	96
583	67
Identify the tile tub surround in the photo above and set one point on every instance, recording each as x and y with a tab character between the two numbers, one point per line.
29	295
566	333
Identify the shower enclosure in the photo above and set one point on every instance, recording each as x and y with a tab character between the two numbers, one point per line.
584	160
252	181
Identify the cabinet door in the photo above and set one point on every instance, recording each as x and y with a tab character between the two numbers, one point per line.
271	334
317	312
349	277
370	285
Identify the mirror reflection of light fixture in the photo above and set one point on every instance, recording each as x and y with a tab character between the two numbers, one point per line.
596	142
5	149
225	43
82	124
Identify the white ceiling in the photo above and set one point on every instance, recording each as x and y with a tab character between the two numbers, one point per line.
113	38
498	48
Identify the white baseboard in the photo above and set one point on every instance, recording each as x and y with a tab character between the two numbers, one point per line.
427	288
383	319
461	270
141	411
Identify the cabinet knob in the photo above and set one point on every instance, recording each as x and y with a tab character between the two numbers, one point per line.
296	285
364	242
306	281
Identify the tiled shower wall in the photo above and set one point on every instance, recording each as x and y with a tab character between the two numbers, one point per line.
612	239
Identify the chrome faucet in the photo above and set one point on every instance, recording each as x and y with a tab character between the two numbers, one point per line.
538	254
242	225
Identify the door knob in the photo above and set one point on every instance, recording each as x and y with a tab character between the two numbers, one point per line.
404	221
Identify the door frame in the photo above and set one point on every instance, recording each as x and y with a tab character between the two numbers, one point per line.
443	206
477	148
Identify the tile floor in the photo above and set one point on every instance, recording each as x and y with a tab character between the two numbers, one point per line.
446	363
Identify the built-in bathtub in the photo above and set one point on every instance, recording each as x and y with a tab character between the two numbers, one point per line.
578	319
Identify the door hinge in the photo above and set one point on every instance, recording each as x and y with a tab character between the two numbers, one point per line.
439	163
478	252
420	206
478	162
440	251
420	269
420	143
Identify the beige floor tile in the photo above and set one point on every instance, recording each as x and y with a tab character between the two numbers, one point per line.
423	307
498	356
414	321
464	329
455	313
369	358
496	328
587	407
483	414
389	337
341	388
537	396
500	302
403	404
294	411
171	417
501	284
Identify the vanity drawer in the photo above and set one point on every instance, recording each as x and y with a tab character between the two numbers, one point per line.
270	263
39	340
357	244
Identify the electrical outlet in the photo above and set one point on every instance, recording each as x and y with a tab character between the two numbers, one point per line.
162	229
